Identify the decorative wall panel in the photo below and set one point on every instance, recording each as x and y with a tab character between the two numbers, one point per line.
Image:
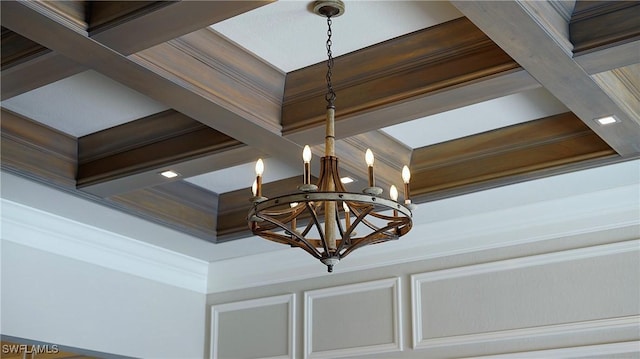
258	328
353	319
574	292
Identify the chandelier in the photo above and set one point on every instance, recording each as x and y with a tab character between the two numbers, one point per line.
324	219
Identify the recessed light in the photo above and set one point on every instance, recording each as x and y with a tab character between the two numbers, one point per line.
170	174
346	180
607	120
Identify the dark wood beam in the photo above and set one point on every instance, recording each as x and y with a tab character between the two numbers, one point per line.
36	72
142	24
540	52
533	146
38	152
605	34
17	49
211	104
410	67
126	27
27	65
132	154
193	56
597	24
178	205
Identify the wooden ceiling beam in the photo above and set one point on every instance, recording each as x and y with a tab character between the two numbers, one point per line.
609	58
36	72
209	104
132	154
403	70
597	24
550	63
40	153
494	156
150	23
179	205
37	151
126	27
27	65
241	97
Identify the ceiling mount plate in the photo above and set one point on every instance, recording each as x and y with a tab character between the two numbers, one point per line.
328	8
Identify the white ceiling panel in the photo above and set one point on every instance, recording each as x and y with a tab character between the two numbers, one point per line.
288	35
242	176
477	118
83	104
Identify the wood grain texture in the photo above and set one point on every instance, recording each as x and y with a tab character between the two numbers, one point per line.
17	49
34	72
211	65
72	12
602	23
525	148
149	143
426	61
179	205
38	151
132	26
103	14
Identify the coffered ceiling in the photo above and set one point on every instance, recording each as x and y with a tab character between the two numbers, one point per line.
98	97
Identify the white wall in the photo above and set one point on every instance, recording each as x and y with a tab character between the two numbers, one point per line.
58	300
68	282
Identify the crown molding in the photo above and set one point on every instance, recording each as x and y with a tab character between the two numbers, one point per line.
44	231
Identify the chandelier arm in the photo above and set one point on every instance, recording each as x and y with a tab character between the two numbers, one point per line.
287	240
307	244
354	224
341	229
314	216
307	247
369	239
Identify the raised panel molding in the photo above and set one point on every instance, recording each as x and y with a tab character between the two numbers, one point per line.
392	284
628	349
287	299
630	323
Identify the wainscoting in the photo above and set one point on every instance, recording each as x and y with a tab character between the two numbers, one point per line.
547	305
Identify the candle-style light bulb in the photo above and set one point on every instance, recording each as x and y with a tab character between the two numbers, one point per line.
259	171
259	167
306	154
254	187
406	174
368	157
306	157
393	193
406	177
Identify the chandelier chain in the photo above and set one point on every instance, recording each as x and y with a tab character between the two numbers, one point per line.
331	94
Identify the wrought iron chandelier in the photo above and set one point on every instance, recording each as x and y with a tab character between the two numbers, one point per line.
328	215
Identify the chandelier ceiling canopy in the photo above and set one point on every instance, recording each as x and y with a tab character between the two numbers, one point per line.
324	219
